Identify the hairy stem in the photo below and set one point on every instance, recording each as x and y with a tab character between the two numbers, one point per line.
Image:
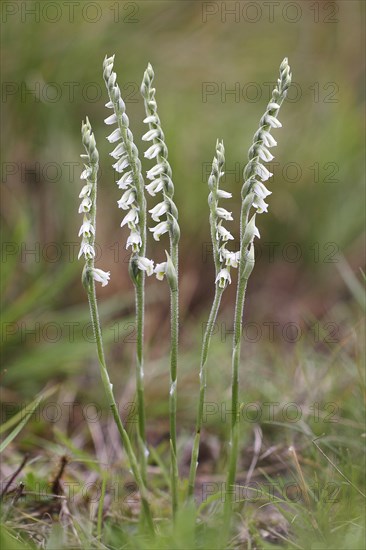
174	334
203	382
113	406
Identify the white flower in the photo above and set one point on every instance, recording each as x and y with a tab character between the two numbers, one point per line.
121	164
265	154
125	180
223	194
127	199
231	258
273	121
131	218
159	210
109	105
151	118
222	213
260	205
87	250
159	230
87	228
262	172
100	276
134	240
153	151
223	277
118	151
112	119
273	105
86	190
155	171
160	270
268	139
86	173
261	190
224	234
85	205
115	136
150	135
154	187
145	265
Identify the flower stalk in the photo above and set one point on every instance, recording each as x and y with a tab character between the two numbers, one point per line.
131	181
160	176
223	259
90	275
253	194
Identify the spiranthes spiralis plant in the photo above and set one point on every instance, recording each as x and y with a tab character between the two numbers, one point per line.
91	274
160	175
223	260
131	181
253	194
128	168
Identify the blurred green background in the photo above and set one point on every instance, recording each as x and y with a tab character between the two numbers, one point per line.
214	64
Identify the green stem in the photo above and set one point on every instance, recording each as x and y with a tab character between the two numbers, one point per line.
203	382
174	333
238	319
234	437
113	406
139	299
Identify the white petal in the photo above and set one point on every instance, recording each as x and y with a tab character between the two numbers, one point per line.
223	277
131	218
86	229
151	118
223	194
273	121
158	210
87	250
86	173
223	233
155	171
85	192
134	240
263	172
112	119
159	230
121	164
114	136
146	265
118	151
260	205
101	276
150	135
222	213
154	187
85	205
261	190
268	139
125	180
160	270
265	154
127	199
153	151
